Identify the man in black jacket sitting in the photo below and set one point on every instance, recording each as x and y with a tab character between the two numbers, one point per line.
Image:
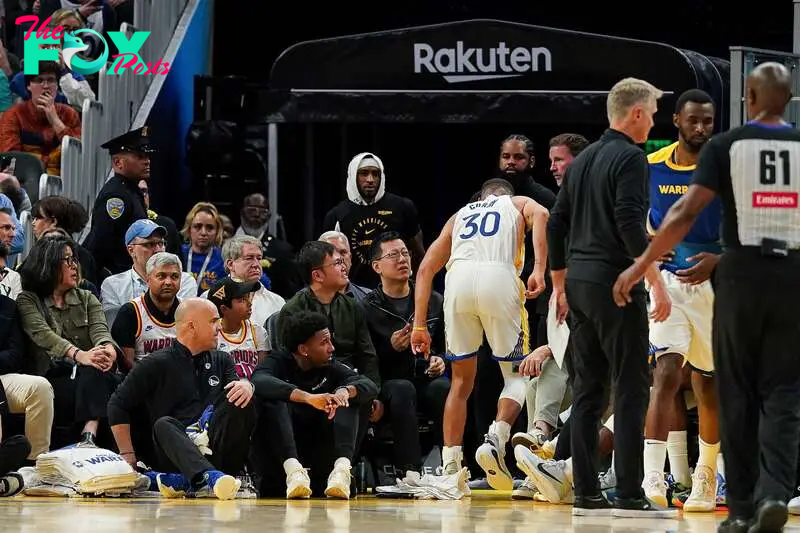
310	407
410	384
197	402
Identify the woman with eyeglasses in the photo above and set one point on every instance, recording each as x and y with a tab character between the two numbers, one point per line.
53	212
202	254
69	340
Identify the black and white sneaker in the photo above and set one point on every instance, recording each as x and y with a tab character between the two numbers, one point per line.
640	508
591	506
11	484
491	457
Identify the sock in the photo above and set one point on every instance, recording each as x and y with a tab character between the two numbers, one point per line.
721	465
678	452
655	453
452	454
708	454
568	469
343	463
502	430
291	465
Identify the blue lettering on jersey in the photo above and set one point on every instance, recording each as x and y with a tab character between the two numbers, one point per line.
668	182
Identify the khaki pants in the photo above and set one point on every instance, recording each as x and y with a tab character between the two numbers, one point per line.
33	397
545	395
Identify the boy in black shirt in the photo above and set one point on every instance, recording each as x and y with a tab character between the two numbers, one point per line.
310	407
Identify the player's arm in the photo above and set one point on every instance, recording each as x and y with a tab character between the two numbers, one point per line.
435	259
536	217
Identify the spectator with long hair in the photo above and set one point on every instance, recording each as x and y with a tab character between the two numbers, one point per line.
59	212
69	340
202	253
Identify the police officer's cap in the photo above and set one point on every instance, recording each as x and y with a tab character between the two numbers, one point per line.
133	141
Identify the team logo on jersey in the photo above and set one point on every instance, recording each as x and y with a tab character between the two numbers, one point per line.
115	207
364	233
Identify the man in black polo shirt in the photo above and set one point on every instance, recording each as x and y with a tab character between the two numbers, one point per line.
754	170
601	209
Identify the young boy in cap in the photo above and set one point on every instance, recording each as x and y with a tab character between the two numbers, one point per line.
245	341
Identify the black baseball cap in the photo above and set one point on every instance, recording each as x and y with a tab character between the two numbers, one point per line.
227	289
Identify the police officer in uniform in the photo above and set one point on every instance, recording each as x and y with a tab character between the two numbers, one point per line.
755	169
120	202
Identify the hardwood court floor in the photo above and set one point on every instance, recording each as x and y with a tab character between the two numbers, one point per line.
483	513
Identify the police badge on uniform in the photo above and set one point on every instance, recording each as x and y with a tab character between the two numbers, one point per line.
115	207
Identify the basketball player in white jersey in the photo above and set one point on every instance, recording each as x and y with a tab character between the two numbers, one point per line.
483	247
244	340
146	324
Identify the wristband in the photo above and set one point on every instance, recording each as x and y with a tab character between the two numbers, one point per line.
420	328
127	453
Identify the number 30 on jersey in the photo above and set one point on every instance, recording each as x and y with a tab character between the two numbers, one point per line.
486	223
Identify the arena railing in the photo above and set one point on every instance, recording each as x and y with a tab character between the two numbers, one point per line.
85	166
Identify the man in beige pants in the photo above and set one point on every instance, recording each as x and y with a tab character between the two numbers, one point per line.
24	394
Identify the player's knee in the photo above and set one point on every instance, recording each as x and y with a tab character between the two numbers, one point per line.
667	374
514	389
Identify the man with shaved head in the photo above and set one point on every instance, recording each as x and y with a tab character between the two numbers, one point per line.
755	170
198	407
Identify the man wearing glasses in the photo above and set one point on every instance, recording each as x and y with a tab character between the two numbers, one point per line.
143	238
38	125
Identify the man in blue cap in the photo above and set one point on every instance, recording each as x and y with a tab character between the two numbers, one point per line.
120	201
142	239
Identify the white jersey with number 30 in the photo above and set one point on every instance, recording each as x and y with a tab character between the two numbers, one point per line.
489	231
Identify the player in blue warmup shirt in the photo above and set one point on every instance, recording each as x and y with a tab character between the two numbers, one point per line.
685	337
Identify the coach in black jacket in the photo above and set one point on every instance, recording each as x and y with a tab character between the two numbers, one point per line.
410	383
176	385
602	208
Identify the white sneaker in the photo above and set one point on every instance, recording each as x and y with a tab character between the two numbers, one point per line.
533	439
794	505
526	491
548	476
655	488
703	498
491	457
298	484
339	484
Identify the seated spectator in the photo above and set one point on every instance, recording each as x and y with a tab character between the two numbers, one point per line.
146	324
70	343
310	407
202	255
409	383
24	394
245	341
324	269
10	282
73	89
189	382
84	284
342	245
10	186
173	242
37	126
53	212
242	257
279	257
143	239
18	240
227	227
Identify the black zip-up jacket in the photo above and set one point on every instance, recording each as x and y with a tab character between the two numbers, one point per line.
602	208
383	322
12	343
279	375
170	382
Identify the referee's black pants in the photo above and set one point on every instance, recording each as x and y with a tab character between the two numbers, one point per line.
609	346
228	437
756	339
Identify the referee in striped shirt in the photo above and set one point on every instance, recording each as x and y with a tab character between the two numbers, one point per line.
755	169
